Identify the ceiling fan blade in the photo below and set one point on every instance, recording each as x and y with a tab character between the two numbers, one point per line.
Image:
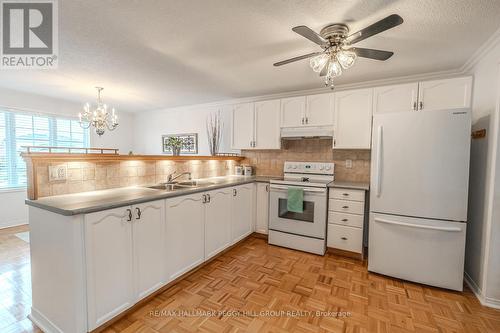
310	34
372	53
305	56
389	22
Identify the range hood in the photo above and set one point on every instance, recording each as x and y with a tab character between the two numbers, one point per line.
322	132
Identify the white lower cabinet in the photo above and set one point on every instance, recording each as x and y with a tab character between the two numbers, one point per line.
124	252
242	212
262	208
217	221
149	240
346	217
185	234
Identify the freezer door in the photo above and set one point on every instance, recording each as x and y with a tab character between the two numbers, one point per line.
420	164
419	250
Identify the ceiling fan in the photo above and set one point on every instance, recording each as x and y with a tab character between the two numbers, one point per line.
338	52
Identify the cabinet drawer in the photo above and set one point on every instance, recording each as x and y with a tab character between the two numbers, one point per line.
347	194
345	206
345	238
351	220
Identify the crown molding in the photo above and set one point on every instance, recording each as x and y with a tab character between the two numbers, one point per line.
323	90
481	52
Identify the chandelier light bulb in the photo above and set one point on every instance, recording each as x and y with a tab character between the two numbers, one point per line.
346	58
334	69
317	63
99	116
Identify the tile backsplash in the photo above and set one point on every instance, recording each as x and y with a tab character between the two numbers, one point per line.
90	176
270	162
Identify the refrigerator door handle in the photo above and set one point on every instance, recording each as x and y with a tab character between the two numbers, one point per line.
412	225
379	160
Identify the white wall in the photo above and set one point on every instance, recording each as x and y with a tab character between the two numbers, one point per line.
150	126
14	211
482	264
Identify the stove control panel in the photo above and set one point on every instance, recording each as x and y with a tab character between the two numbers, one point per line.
308	167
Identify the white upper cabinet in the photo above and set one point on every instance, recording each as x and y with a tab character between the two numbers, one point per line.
148	229
425	96
396	98
319	110
353	119
217	221
185	234
256	125
445	94
243	126
267	125
293	111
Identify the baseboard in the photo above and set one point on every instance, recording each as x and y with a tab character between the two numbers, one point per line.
343	253
486	301
43	322
258	234
13	223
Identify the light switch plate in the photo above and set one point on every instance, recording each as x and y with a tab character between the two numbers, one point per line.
58	173
348	164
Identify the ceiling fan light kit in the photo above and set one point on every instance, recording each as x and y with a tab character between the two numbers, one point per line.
338	53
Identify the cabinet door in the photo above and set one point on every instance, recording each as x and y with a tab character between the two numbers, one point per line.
445	94
262	208
353	123
242	212
396	98
108	239
243	126
217	221
267	125
148	231
293	111
319	110
185	234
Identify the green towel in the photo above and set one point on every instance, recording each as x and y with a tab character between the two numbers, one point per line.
295	202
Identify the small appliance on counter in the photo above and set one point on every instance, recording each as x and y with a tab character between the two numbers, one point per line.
238	170
247	170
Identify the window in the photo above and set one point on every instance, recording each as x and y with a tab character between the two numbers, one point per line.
23	129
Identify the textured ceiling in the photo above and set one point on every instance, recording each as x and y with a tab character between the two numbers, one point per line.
155	54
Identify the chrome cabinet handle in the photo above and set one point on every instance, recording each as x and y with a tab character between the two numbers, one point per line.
345	220
345	194
208	197
421	104
343	238
345	207
204	198
267	188
415	106
235	192
138	210
302	121
129	215
307	120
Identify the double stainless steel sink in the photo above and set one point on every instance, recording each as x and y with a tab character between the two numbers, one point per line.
181	185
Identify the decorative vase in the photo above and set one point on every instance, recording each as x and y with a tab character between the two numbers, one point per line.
176	151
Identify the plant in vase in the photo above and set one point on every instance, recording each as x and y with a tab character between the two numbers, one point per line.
175	144
214	132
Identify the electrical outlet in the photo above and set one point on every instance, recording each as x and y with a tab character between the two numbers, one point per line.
348	164
58	173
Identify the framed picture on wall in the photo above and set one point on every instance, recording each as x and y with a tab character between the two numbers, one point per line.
189	144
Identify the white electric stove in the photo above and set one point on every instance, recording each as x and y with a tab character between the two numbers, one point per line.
304	231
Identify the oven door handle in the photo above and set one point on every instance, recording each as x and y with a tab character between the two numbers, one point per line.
309	189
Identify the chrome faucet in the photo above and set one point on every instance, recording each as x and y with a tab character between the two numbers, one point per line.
171	177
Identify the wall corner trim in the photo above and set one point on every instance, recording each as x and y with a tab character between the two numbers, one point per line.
489	302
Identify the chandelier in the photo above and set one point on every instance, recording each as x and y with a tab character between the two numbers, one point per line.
98	116
332	62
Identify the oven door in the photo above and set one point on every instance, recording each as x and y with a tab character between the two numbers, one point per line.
312	222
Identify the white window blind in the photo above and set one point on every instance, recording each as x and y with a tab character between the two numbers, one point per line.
22	129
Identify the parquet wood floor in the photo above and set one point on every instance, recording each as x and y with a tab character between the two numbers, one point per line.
256	277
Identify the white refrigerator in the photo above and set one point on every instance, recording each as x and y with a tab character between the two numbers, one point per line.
418	196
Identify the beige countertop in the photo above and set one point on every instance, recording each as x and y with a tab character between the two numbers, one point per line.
352	185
